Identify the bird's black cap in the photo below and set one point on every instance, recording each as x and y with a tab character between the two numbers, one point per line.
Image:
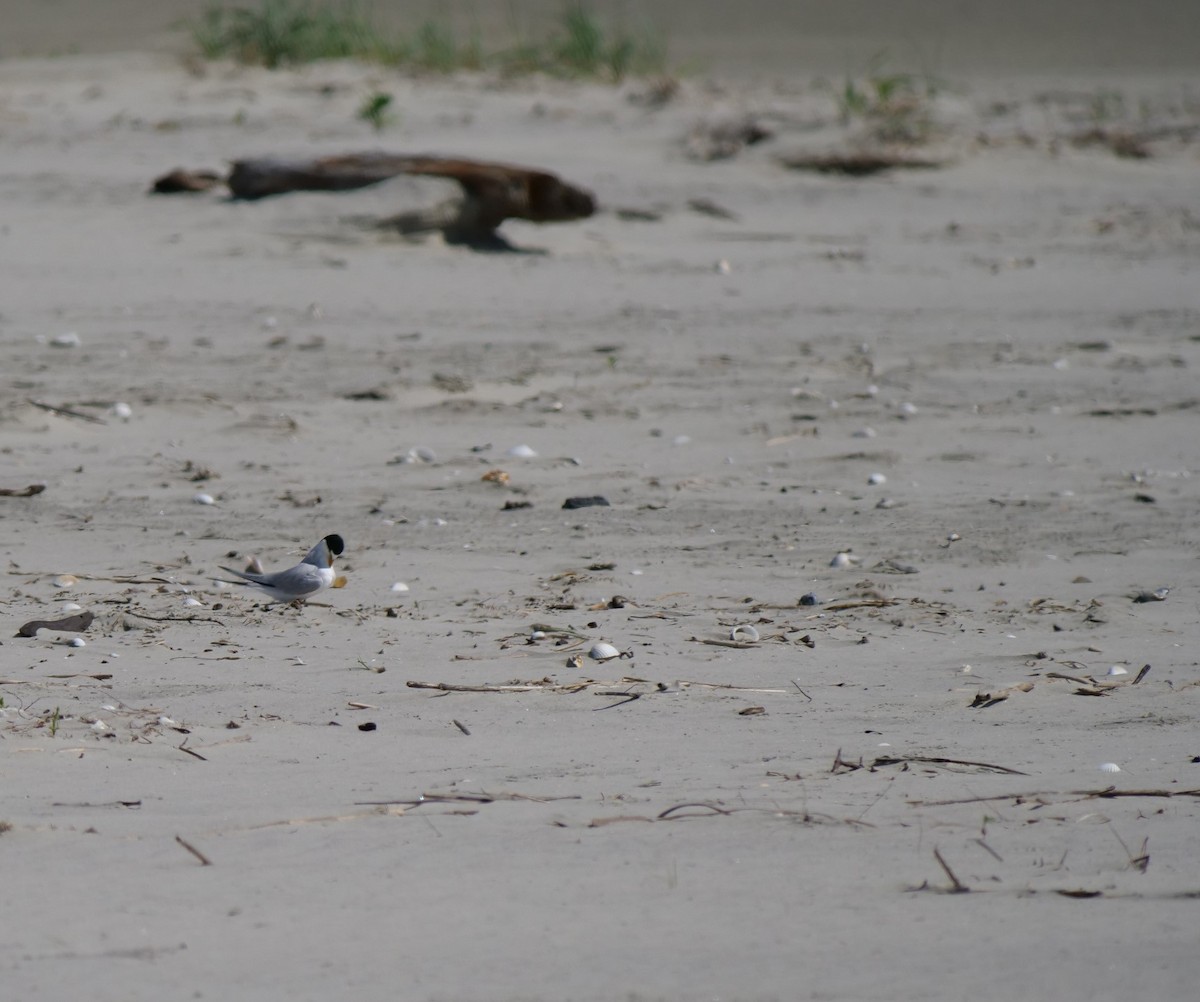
336	544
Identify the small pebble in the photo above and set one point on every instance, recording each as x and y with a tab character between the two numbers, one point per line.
841	560
68	340
77	642
122	411
399	586
522	452
809	598
203	498
876	479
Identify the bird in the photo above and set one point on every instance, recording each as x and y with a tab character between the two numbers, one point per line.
296	584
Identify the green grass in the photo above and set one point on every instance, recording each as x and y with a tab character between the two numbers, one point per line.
288	32
376	110
292	32
896	107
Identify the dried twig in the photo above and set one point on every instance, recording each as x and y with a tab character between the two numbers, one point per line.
67	412
936	760
958	887
204	860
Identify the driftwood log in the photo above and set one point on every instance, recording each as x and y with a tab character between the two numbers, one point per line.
491	192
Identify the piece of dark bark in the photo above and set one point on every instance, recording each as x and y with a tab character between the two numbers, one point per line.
492	192
182	180
69	624
858	164
22	492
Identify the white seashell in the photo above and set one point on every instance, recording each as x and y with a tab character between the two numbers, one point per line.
100	727
399	586
744	632
908	409
192	603
71	607
867	432
420	454
722	267
68	340
1109	767
875	479
65	581
954	537
842	560
522	452
203	498
1118	670
872	390
603	652
537	635
77	642
165	721
122	411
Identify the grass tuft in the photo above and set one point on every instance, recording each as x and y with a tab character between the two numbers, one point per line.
291	32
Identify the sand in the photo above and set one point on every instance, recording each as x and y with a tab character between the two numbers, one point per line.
978	382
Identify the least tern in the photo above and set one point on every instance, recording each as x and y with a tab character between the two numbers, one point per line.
313	574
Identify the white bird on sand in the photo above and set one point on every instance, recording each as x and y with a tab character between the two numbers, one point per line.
313	574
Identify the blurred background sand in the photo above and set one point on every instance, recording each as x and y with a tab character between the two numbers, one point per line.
803	37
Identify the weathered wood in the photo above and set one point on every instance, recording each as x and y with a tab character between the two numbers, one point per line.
491	192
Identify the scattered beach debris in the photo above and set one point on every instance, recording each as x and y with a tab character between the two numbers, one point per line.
723	139
595	501
1158	595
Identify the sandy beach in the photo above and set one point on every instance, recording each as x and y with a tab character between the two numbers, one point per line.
902	498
